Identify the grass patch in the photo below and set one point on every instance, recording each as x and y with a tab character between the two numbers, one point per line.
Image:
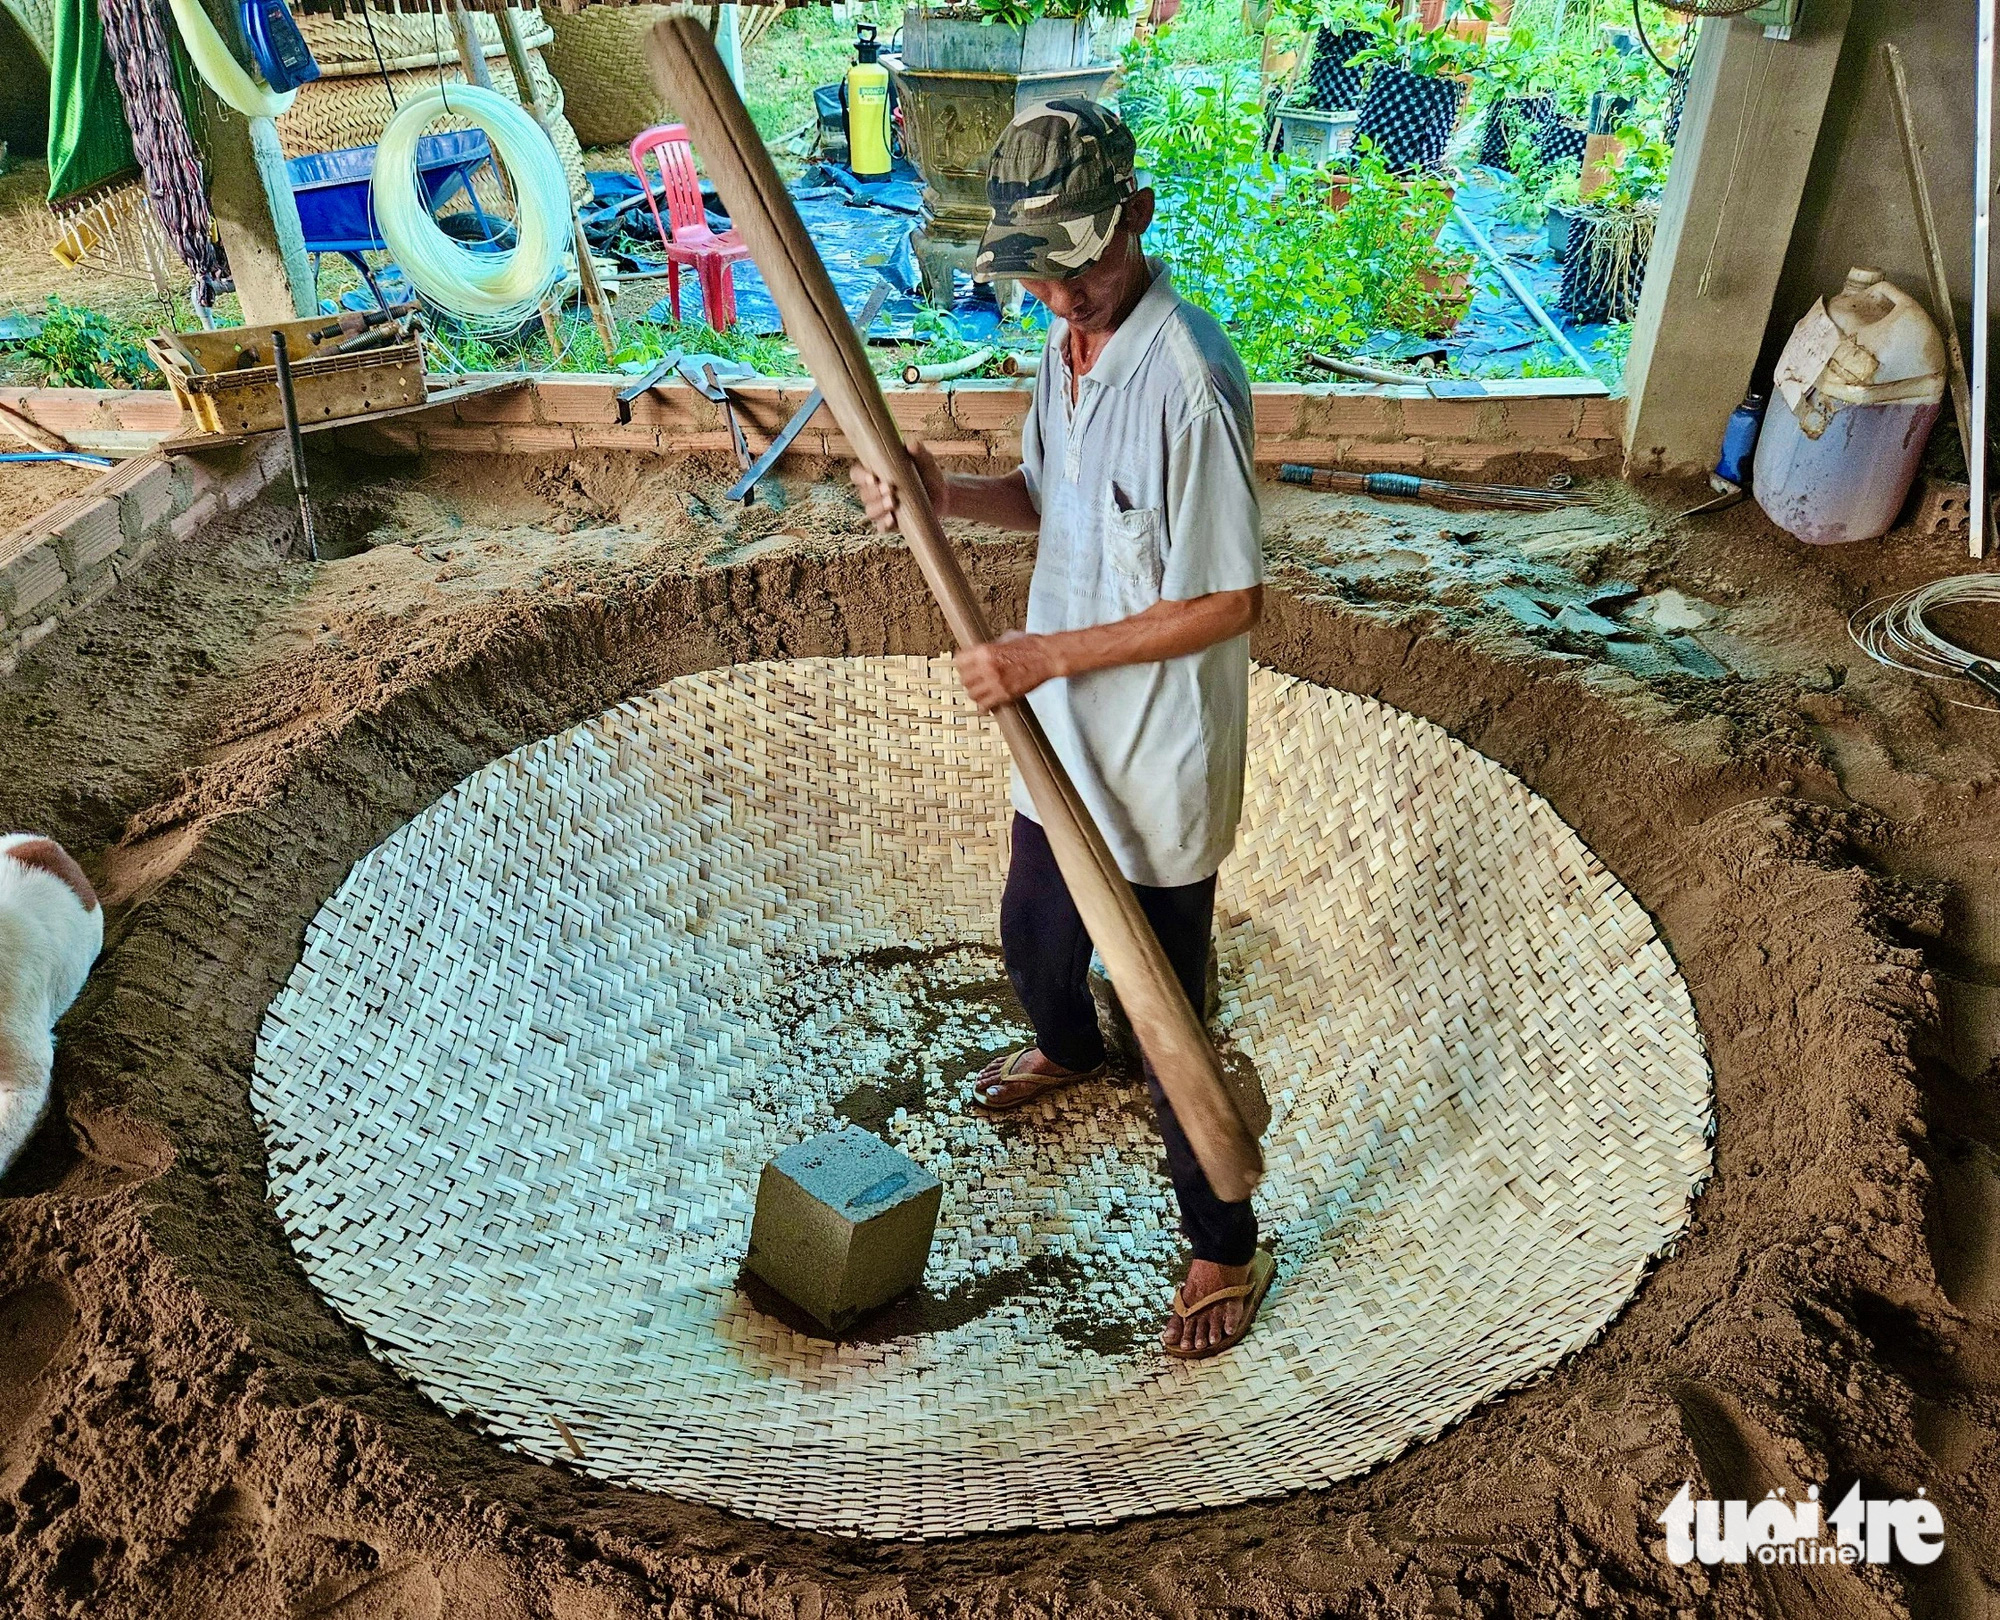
802	50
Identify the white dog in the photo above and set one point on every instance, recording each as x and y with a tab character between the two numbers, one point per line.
51	929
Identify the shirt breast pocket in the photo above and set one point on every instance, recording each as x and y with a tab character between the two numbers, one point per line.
1134	555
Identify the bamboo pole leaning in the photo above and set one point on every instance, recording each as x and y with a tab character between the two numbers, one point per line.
692	79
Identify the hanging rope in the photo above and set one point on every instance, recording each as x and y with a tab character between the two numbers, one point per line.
171	166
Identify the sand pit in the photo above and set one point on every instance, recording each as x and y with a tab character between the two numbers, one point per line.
540	1044
188	1428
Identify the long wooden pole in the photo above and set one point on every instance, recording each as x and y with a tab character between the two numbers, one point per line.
693	80
586	267
1927	228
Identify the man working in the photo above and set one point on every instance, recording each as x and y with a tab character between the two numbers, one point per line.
1136	471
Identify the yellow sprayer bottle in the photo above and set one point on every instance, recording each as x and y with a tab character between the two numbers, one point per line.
865	94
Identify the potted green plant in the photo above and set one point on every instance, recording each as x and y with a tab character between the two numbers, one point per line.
1611	233
1341	30
1416	85
1250	240
1517	104
964	70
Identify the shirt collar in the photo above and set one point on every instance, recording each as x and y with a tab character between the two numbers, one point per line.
1120	360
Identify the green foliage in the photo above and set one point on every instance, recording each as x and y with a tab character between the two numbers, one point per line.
639	344
78	347
1638	174
1257	243
1208	33
1019	13
1525	190
802	49
1429	53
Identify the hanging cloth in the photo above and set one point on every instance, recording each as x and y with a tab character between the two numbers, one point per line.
89	145
143	63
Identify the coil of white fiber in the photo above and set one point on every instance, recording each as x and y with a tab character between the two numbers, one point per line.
218	66
492	289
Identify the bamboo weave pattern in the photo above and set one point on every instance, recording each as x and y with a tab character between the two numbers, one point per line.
517	1093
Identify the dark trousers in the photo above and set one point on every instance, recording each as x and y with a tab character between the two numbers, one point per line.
1048	960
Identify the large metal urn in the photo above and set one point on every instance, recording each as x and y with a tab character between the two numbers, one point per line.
959	83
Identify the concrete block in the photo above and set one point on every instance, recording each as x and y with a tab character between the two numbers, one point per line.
579	399
979	407
1277	409
147	496
1540	419
28	579
89	536
205	508
1601	418
676	409
843	1224
1442	418
503	405
1331	415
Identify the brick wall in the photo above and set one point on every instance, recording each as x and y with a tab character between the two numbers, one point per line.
60	563
1369	428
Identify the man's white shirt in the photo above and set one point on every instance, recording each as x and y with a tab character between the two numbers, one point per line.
1147	493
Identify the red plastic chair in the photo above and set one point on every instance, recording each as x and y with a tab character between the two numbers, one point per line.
686	234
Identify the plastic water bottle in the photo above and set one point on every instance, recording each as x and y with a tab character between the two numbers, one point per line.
1739	442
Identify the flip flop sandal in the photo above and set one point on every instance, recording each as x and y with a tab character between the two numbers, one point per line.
1039	1085
1262	1269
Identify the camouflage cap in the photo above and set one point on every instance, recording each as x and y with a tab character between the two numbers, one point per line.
1057	181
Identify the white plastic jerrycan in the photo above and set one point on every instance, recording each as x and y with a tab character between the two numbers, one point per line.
1856	392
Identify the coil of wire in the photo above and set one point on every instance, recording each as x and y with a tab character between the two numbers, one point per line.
1895	630
483	290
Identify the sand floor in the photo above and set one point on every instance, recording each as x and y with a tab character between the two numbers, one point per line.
185	1429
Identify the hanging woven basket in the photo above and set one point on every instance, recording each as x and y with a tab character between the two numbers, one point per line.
599	57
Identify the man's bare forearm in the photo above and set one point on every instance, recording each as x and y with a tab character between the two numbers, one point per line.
1164	630
1002	502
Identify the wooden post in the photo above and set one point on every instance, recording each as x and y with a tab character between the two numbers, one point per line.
1747	138
684	59
257	218
471	54
586	267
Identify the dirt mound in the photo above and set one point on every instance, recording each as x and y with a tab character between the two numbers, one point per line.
186	1429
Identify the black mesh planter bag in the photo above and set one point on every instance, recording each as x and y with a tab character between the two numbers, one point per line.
1560	145
1605	266
1408	118
1331	85
1507	120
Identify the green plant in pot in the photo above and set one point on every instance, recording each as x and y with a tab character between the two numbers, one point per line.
1611	232
1517	103
1416	85
1336	32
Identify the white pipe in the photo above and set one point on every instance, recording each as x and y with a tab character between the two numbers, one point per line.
945	370
1021	363
1982	276
218	66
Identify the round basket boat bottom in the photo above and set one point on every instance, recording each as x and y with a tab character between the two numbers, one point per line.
519	1089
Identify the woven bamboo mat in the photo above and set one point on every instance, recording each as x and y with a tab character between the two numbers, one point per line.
517	1093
